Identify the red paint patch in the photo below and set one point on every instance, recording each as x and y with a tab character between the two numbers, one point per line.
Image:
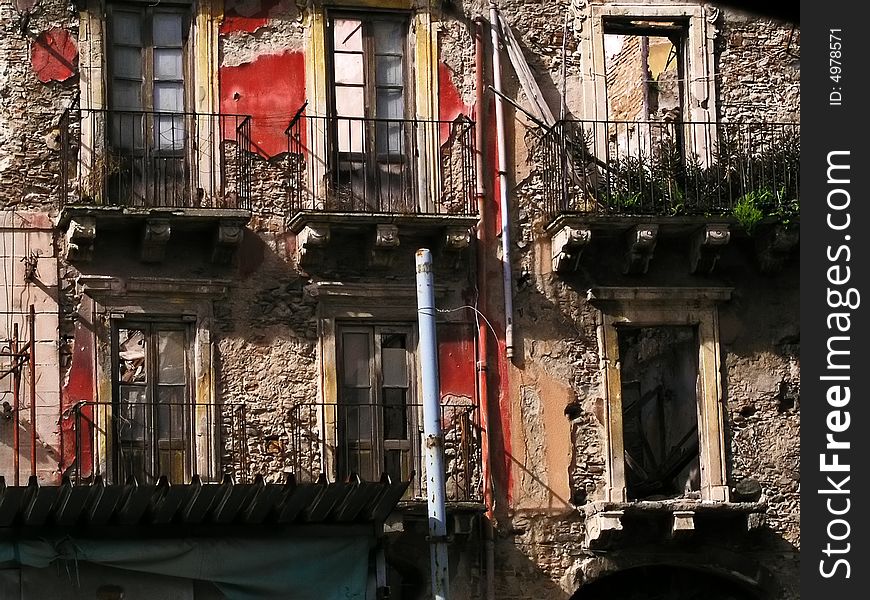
79	387
450	103
246	15
456	356
270	89
54	55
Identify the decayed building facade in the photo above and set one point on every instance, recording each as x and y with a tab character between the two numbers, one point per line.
209	370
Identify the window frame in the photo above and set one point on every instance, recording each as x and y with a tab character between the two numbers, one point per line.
149	80
664	307
379	445
152	444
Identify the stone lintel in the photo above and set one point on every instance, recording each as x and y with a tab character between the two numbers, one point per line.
80	235
641	242
706	246
567	246
155	236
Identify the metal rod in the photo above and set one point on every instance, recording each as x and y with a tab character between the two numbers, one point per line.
32	390
433	440
507	276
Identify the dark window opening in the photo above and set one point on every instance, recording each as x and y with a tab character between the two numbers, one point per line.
659	374
666	583
376	409
152	422
370	133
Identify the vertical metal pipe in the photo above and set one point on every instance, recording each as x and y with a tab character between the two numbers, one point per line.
507	276
32	368
482	296
16	403
433	440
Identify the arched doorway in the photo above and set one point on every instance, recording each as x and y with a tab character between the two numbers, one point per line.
661	582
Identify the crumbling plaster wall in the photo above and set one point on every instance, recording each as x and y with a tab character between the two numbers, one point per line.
30	31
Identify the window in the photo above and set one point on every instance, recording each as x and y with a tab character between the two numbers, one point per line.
151	401
659	377
147	100
376	411
370	132
665	433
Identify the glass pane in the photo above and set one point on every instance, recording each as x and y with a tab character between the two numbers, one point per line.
390	137
395	464
171	464
170	132
169	97
360	461
127	28
350	135
395	366
131	413
395	414
127	62
355	415
170	357
167	63
349	101
126	95
127	130
349	68
347	34
388	70
170	413
356	358
167	29
391	104
389	37
132	349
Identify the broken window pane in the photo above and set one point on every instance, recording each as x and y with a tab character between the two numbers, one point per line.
131	355
659	374
347	35
170	356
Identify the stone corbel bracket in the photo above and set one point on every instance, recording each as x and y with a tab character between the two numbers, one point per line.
457	239
706	247
155	236
775	246
383	255
310	243
567	246
80	235
641	245
602	528
228	238
682	524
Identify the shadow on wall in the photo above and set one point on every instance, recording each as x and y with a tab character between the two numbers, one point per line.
662	582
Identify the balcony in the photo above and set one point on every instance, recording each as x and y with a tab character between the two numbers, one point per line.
169	465
703	179
380	175
369	440
152	169
175	441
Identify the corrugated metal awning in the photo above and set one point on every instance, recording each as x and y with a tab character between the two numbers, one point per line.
197	503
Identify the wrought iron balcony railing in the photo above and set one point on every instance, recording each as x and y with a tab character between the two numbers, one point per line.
370	440
118	441
148	159
670	169
395	166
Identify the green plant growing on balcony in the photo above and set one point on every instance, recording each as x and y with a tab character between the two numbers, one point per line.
747	211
